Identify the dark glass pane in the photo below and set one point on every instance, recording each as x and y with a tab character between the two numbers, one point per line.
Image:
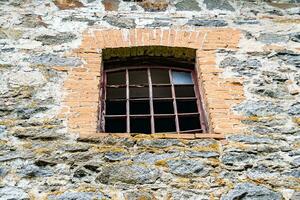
186	106
139	107
163	107
139	92
180	78
160	76
115	107
190	122
115	93
140	125
116	78
162	92
138	77
115	125
184	91
165	124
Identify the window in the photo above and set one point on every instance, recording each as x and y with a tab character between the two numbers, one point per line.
151	99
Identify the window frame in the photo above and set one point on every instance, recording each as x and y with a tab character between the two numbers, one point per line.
201	110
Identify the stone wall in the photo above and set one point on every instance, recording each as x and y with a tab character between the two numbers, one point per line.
41	159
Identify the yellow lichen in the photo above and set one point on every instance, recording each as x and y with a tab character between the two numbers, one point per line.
287	21
43	150
103	149
212	147
297	120
162	163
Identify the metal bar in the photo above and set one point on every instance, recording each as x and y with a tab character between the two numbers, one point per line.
115	116
185	114
151	101
127	103
174	102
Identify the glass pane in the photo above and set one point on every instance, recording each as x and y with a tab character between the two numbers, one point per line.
184	91
140	125
115	107
160	76
139	92
186	106
138	77
191	122
162	92
181	78
116	78
115	93
139	107
165	124
163	107
115	125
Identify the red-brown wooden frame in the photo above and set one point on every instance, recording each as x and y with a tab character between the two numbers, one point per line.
198	95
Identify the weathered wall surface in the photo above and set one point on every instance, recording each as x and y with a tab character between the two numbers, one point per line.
40	159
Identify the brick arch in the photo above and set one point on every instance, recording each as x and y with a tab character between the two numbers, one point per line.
80	105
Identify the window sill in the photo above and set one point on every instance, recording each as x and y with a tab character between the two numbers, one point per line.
96	135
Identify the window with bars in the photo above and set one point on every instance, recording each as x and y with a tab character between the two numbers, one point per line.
151	99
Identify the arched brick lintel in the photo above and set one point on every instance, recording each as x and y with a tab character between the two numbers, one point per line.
205	39
80	105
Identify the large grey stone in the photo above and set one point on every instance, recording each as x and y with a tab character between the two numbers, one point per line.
55	60
186	5
294	109
296	162
114	156
158	23
247	67
33	21
34	171
295	37
202	154
288	57
259	108
120	21
270	38
56	39
26	77
236	158
272	91
130	174
250	139
13	193
151	158
139	195
187	167
296	196
77	196
249	191
218	4
72	18
207	22
159	143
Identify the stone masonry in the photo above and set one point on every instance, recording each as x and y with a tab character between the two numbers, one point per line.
248	65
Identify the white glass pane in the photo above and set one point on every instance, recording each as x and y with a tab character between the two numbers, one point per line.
181	78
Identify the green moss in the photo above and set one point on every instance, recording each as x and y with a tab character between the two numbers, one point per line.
159	51
5	66
11	33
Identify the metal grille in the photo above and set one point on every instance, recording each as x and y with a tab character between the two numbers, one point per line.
151	100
